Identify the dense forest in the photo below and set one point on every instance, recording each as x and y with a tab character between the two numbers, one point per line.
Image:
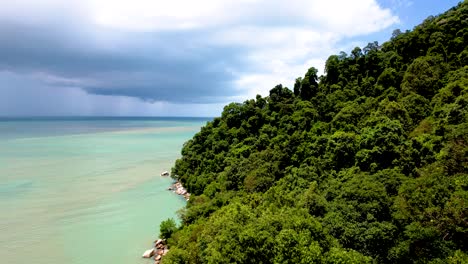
367	163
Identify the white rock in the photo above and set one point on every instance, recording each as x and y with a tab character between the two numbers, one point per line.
148	253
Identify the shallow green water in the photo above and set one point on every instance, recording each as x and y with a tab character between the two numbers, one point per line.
86	192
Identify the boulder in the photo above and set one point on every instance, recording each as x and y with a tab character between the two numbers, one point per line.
148	253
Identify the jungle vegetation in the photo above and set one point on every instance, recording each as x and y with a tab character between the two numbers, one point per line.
367	163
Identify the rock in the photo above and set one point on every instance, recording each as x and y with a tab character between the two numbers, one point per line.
158	257
148	253
165	251
159	241
165	173
180	190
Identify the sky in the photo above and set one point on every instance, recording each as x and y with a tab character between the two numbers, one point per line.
178	57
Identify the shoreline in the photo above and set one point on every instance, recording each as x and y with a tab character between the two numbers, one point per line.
160	247
179	189
158	250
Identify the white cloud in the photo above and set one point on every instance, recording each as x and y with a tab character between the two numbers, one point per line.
40	12
340	16
280	39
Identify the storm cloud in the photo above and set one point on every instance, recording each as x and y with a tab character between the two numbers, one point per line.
150	66
169	53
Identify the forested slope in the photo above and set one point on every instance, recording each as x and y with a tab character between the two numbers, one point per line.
366	164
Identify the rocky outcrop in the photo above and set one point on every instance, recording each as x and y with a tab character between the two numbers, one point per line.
158	251
161	249
148	253
180	190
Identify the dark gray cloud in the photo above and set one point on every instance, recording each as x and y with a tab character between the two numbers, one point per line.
163	66
87	56
22	95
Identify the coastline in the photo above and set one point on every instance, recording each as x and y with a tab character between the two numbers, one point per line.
97	189
158	250
179	189
160	247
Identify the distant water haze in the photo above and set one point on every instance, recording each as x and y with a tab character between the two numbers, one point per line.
86	190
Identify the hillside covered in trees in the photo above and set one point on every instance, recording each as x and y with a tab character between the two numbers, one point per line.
365	164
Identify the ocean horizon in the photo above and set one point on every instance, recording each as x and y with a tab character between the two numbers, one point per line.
87	189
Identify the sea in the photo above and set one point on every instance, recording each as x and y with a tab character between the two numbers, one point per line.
81	190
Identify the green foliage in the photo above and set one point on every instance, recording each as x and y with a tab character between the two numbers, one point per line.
340	256
367	164
423	76
167	227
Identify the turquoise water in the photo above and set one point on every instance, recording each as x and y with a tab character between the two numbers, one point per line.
80	190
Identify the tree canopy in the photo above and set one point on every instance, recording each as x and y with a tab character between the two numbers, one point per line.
365	164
